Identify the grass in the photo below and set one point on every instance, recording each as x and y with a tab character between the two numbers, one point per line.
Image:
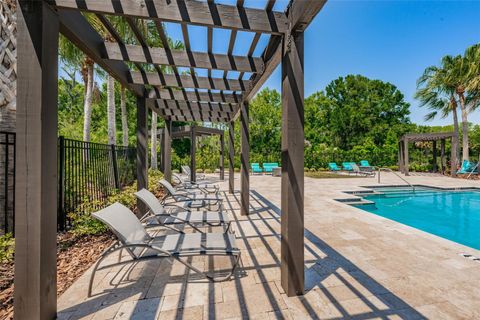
328	175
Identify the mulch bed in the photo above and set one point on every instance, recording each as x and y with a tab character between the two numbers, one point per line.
74	256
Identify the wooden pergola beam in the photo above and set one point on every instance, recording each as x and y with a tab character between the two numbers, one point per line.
187	81
194	95
78	30
183	58
196	106
187	12
199	118
193	114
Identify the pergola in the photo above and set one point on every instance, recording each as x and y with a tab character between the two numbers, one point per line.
192	132
403	157
174	96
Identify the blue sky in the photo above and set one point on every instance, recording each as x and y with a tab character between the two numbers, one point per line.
388	40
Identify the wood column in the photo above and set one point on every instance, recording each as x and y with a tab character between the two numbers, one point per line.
36	167
222	157
142	153
162	151
193	151
244	160
442	155
292	224
434	143
231	157
400	156
167	155
405	157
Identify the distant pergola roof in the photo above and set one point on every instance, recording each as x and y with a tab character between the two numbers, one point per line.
435	136
175	95
185	132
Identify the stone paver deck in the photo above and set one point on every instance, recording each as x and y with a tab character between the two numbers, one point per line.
357	266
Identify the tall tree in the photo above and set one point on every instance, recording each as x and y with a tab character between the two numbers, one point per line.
111	115
153	145
436	91
359	108
123	108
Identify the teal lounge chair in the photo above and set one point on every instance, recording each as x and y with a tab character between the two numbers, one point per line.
468	168
365	166
347	166
256	168
269	166
333	166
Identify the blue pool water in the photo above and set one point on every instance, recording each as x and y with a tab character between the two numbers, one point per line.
453	215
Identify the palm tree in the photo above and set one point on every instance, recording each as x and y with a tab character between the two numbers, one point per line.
456	69
111	118
436	91
123	108
71	55
153	146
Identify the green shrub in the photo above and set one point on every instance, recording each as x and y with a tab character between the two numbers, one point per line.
176	171
7	248
313	169
199	170
236	169
208	171
84	224
306	169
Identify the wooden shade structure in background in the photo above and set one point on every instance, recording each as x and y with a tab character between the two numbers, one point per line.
403	157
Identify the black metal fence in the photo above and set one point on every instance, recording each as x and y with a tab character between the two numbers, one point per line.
7	182
90	172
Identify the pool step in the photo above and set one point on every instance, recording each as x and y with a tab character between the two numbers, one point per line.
355	201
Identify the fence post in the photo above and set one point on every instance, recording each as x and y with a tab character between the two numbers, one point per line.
61	184
115	167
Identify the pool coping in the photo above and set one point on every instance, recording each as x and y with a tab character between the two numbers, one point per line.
356	202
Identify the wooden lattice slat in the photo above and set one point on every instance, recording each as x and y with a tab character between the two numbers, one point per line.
8	54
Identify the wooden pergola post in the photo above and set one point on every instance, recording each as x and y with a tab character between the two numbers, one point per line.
405	156
244	160
400	159
193	152
36	162
231	157
162	151
292	224
442	155
434	146
222	157
142	152
167	156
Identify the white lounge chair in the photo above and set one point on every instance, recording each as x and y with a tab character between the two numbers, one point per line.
356	169
189	200
133	238
188	172
190	185
160	216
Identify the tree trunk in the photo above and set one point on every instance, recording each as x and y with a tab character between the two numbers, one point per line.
123	106
87	101
465	144
153	134
455	125
112	135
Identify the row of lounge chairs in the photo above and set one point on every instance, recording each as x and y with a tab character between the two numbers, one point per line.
267	167
188	204
364	168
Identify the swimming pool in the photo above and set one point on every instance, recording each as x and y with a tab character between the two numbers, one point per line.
453	215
